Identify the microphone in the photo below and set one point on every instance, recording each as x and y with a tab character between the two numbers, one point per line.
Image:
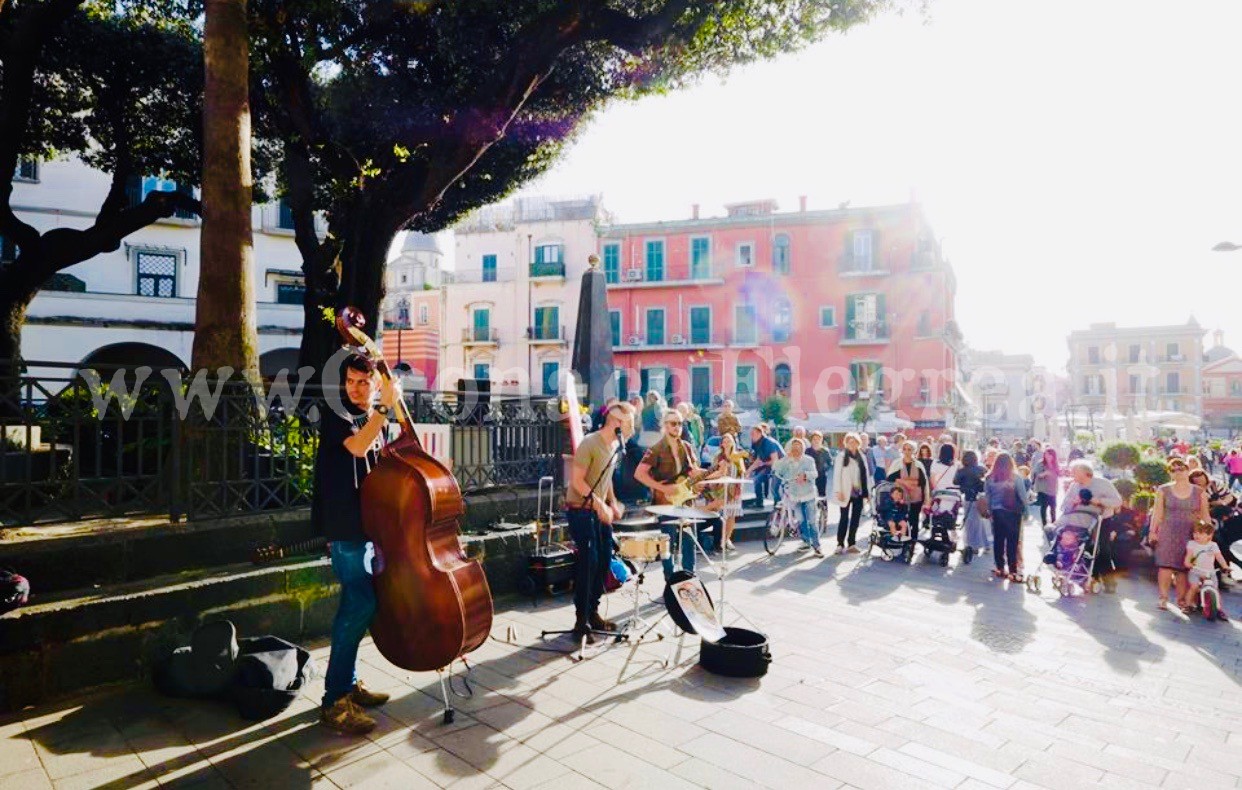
617	431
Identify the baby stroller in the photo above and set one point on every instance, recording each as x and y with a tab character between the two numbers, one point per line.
889	546
1071	557
946	508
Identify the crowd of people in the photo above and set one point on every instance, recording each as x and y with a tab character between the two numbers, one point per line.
1003	485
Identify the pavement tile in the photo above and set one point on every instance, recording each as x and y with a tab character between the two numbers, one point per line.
649	749
866	774
446	770
614	768
1112	763
1047	771
837	738
951	762
570	781
34	779
379	770
918	765
17	754
748	762
775	741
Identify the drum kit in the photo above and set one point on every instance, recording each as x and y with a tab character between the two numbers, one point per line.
643	546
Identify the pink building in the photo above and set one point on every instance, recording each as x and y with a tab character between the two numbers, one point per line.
823	306
1222	396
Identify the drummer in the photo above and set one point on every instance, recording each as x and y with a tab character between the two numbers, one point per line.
668	460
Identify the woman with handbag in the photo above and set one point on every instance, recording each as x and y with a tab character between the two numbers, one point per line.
1004	499
849	491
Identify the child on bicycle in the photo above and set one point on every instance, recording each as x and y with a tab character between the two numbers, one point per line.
1202	557
895	514
797	472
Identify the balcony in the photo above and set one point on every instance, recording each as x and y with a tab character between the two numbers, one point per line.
863	266
864	333
501	274
670	277
545	334
547	271
480	336
674	342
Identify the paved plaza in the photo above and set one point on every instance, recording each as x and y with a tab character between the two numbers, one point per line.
883	676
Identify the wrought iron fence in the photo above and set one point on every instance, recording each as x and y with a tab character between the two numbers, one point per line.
95	442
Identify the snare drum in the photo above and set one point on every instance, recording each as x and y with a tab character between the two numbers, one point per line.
644	546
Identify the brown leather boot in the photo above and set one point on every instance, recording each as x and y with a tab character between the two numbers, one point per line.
600	624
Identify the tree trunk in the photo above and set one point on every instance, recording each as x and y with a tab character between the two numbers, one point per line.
363	260
13	304
224	328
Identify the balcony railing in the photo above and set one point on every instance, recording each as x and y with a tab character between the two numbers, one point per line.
640	276
501	274
547	270
863	264
693	340
476	334
866	332
545	334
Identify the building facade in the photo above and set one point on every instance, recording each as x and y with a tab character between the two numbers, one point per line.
413	284
824	307
512	302
136	305
1134	370
1004	387
1222	391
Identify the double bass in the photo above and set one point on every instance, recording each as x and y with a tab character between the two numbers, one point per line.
433	603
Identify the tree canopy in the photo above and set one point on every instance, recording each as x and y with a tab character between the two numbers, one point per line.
407	115
117	84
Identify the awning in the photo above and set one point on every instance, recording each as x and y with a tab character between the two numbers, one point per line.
961	393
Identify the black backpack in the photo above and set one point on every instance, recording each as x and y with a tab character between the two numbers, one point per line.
14	590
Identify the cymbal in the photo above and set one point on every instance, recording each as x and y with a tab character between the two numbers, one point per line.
724	481
673	511
634	523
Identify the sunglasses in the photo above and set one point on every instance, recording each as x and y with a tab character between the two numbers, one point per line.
676	423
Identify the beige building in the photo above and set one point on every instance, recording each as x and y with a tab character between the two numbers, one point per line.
1001	386
512	301
1132	370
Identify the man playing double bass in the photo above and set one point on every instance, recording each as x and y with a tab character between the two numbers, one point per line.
591	507
349	444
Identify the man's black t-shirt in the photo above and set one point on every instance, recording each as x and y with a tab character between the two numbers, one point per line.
336	508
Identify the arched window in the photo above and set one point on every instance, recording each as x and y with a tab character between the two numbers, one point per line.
780	254
782	379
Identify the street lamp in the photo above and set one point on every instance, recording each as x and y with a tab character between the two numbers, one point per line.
1227	246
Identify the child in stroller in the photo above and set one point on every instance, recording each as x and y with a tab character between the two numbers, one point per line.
1071	556
946	507
891	532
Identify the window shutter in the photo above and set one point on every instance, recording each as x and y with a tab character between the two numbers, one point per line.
881	315
878	261
847	254
849	318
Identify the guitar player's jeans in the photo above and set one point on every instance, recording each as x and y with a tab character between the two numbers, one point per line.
669	527
593	542
353	616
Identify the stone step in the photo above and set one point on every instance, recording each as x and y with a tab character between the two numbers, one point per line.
103	552
77	640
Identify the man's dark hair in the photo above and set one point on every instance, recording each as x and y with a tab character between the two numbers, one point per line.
357	363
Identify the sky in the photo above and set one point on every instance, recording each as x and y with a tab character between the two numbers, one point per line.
1078	160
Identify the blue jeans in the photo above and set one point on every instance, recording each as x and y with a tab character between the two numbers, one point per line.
353	616
669	527
807	514
593	541
762	477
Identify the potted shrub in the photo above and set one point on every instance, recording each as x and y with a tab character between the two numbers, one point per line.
1150	473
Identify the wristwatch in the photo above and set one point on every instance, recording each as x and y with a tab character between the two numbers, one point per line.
382	409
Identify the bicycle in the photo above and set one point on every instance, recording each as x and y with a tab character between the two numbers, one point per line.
785	522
